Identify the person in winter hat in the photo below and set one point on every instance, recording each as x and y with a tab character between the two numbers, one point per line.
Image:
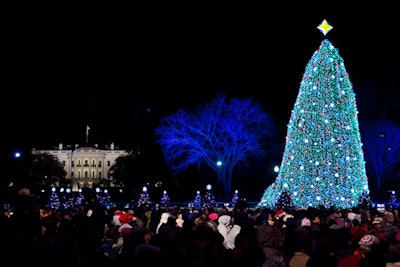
224	225
125	220
163	220
269	235
390	228
115	219
367	241
228	230
372	252
213	216
179	220
305	222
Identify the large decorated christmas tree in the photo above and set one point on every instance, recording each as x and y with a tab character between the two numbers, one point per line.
323	161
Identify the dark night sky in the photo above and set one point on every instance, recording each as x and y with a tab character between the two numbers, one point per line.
121	69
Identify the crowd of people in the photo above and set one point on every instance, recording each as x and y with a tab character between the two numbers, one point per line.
93	234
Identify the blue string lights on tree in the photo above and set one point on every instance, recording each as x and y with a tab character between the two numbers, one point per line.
323	161
393	199
80	198
365	200
235	197
99	196
106	197
69	198
144	197
284	202
54	201
103	197
209	199
198	201
164	199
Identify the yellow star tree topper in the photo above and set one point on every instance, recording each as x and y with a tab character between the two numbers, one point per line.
324	27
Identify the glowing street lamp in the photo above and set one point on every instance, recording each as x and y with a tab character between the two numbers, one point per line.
276	168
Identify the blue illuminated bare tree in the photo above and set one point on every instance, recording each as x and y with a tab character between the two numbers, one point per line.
381	140
220	134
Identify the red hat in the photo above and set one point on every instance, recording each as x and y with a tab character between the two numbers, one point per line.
118	212
213	216
125	218
279	213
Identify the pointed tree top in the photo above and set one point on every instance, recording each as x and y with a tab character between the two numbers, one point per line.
325	27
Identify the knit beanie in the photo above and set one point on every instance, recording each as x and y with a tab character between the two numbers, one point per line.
367	241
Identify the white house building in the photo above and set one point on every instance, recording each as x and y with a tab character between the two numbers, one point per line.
86	166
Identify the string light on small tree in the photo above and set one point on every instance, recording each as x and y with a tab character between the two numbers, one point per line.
165	199
54	201
106	197
80	198
144	197
209	199
393	199
365	200
68	198
284	202
235	197
198	201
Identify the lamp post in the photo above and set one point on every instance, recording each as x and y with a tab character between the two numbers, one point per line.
219	164
18	171
384	148
276	168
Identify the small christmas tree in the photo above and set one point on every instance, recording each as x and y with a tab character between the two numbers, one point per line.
365	200
209	199
80	198
68	199
164	199
106	197
54	201
235	197
284	202
198	201
393	199
144	197
98	195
